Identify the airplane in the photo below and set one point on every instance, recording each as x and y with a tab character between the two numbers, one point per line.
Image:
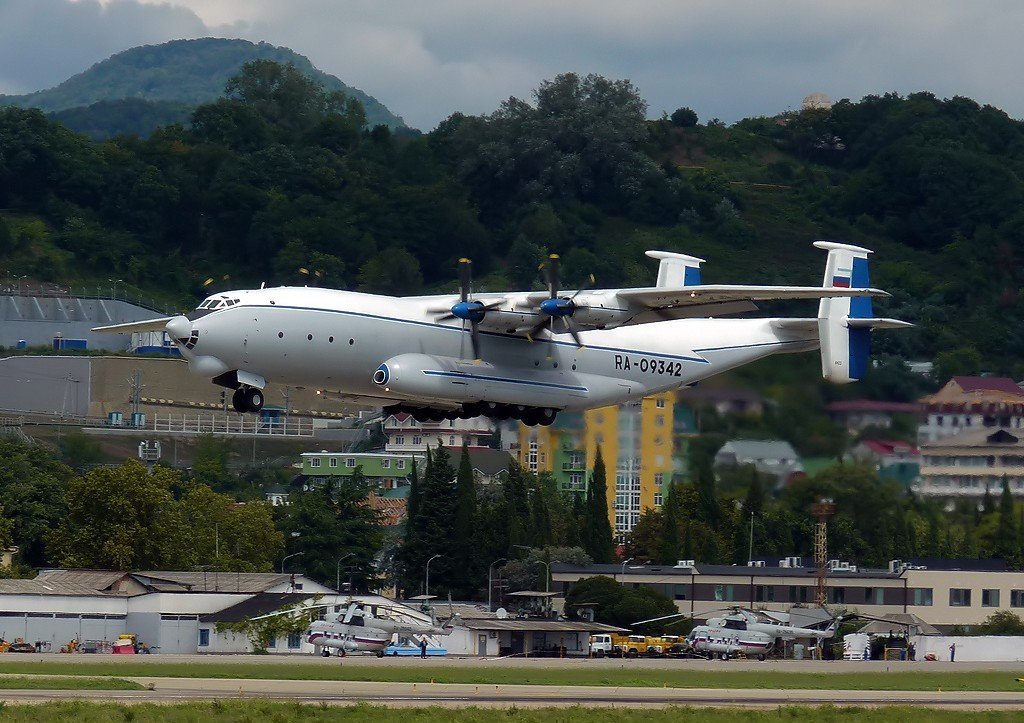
522	355
357	629
751	632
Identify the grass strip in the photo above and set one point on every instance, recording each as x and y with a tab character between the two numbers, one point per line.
713	677
232	711
68	683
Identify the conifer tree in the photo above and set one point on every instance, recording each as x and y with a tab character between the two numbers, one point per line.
671	518
462	547
1006	543
598	534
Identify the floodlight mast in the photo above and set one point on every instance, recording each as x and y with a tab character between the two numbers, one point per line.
822	510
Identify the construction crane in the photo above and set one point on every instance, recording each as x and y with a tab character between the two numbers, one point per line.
822	510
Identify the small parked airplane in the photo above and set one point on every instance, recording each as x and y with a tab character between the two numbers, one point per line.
523	355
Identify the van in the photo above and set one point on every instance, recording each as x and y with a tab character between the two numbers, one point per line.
600	645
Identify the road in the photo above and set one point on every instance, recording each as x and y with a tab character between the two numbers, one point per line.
179	690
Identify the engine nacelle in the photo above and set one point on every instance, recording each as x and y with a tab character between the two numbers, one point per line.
446	379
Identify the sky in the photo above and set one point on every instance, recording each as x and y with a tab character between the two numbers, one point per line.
426	59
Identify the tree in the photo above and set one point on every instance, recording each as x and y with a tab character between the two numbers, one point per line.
1007	533
227	535
32	486
598	531
684	117
464	528
6	530
1002	622
332	520
120	518
616	605
433	533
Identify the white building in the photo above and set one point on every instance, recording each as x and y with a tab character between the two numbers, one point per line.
405	434
772	457
967	464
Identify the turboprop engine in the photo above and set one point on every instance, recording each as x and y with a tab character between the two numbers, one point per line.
441	378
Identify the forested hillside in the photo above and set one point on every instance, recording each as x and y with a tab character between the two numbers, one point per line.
145	87
280	175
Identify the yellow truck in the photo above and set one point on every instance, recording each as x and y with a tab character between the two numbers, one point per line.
629	646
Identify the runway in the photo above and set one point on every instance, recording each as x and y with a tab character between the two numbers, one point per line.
179	690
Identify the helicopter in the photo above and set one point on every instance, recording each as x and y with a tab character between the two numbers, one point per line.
358	629
751	632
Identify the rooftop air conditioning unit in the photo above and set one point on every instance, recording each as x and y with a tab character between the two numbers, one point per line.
685	563
896	566
793	561
755	563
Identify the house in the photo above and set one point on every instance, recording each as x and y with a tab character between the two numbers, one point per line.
771	457
858	414
724	401
276	496
967	464
488	465
383	470
893	459
162	607
404	434
969	403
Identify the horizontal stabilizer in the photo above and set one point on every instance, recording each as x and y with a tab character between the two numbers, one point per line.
716	293
134	326
876	323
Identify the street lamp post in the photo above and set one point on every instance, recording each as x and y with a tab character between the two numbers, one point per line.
113	287
624	563
19	278
426	584
547	571
490	585
294	554
337	582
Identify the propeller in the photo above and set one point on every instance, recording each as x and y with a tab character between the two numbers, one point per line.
557	307
468	309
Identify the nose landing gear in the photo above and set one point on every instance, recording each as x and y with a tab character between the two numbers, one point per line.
247	400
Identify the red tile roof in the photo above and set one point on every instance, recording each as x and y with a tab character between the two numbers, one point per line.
869	405
992	384
887	447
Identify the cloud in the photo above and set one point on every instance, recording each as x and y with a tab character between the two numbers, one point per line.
425	60
44	42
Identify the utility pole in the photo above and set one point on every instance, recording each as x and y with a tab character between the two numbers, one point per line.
750	550
822	510
135	383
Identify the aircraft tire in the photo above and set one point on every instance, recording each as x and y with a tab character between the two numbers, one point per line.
724	656
238	401
380	653
326	653
254	399
762	657
530	417
548	416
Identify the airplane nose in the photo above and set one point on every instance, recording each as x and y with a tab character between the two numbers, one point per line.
180	327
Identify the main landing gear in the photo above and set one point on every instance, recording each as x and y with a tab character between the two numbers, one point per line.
530	416
247	399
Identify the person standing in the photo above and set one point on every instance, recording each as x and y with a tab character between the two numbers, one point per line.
952	652
423	647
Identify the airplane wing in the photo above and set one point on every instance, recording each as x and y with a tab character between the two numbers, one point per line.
133	326
660	297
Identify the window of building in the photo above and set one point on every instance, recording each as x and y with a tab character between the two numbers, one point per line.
417	439
350	462
659	420
874	595
271	642
451	440
764	593
314	462
959	597
659	479
400	439
400	463
385	464
723	593
836	595
531	456
294	641
990	598
659	403
659	499
1017	598
798	593
204	637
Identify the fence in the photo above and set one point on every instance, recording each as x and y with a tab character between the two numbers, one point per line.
225	424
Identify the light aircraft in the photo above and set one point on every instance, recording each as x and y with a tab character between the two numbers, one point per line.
523	355
357	629
751	632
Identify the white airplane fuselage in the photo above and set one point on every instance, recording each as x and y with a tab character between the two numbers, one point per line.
337	340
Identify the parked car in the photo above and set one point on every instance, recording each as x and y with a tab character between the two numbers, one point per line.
21	648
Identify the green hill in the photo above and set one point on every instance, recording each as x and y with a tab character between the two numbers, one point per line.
280	178
170	76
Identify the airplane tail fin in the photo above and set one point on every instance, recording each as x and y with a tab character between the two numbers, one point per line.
676	270
845	323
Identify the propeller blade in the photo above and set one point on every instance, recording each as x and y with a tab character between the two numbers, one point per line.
551	271
474	337
587	284
465	276
573	328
